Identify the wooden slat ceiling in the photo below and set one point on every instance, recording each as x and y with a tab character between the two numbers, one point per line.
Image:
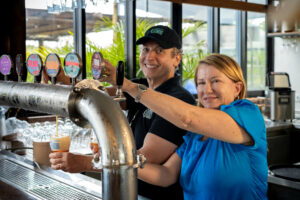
239	5
40	25
44	26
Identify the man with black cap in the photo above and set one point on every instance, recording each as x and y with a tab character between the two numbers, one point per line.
155	137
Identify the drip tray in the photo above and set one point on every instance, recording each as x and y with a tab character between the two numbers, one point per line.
38	185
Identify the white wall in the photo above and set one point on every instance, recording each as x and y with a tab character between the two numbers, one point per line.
287	59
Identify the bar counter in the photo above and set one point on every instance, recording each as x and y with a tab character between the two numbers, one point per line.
23	179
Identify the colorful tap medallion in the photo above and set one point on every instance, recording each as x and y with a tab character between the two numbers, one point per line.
5	64
52	65
73	65
34	64
97	59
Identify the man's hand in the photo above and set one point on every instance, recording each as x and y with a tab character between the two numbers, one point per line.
108	73
69	162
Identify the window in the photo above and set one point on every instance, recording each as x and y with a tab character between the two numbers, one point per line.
48	29
148	14
264	2
228	32
256	51
194	41
105	31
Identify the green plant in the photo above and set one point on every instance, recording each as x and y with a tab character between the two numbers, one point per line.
116	51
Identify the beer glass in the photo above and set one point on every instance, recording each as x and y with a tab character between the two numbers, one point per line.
94	143
60	142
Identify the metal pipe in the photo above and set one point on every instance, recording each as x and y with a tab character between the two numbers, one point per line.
86	106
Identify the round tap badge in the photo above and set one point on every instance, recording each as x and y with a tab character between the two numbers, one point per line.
72	65
52	65
5	64
97	58
34	64
19	64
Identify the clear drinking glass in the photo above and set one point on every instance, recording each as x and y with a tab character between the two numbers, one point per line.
60	141
94	142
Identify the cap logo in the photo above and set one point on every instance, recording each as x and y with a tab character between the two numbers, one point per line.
158	31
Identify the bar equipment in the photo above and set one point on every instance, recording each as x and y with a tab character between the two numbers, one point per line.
5	65
34	65
52	66
19	67
120	79
5	69
73	66
86	107
280	99
97	68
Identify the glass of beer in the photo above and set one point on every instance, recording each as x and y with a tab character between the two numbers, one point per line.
60	142
94	143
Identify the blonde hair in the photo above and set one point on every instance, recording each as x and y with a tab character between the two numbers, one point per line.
226	65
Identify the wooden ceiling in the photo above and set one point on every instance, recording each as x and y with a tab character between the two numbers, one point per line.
41	25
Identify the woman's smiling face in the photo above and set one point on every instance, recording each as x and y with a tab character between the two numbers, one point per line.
214	88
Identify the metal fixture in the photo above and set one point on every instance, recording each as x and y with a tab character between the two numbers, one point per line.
86	107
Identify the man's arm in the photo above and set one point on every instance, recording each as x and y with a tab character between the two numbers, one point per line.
73	163
156	149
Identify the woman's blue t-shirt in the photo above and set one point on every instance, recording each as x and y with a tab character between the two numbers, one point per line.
213	169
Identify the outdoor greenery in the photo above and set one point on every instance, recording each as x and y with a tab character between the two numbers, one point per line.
116	51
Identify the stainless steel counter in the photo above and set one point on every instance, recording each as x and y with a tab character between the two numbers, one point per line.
274	126
21	178
44	183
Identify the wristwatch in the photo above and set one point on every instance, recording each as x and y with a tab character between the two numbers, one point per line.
141	90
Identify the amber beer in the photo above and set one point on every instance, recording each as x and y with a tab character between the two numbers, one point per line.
60	143
94	146
94	143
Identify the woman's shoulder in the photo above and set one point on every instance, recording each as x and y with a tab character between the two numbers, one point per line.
242	103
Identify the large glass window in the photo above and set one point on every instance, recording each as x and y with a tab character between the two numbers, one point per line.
194	41
105	31
264	2
256	51
48	29
150	13
228	32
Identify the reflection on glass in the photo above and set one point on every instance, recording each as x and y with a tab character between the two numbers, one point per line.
256	51
148	14
48	32
105	31
228	32
194	41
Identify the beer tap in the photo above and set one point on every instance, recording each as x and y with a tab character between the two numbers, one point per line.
52	66
119	80
34	66
5	65
5	69
19	66
73	65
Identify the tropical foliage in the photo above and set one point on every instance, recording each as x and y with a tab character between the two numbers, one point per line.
116	51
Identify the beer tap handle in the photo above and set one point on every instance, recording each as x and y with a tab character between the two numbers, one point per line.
120	79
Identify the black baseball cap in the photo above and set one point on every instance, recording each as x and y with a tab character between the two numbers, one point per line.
164	36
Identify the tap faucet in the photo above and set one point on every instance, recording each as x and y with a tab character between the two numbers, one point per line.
120	79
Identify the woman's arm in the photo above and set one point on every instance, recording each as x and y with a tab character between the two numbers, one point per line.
208	122
161	175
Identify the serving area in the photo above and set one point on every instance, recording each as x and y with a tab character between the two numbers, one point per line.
23	179
283	159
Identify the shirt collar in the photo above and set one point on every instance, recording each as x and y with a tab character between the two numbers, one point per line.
174	81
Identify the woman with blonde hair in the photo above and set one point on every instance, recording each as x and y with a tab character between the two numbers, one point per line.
224	155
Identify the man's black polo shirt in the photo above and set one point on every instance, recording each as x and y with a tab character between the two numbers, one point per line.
142	120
